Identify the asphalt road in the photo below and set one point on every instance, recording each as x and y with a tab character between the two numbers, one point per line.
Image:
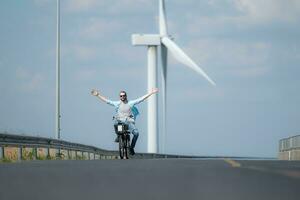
174	179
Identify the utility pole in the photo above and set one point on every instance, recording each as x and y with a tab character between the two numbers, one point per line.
57	123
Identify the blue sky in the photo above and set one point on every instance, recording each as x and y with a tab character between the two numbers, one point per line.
250	48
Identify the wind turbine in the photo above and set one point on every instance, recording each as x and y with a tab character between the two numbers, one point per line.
152	41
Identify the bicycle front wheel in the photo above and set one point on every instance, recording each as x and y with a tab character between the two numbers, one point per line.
121	147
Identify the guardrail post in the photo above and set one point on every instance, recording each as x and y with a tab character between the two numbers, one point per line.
20	153
35	153
69	154
48	153
59	154
91	156
79	155
1	152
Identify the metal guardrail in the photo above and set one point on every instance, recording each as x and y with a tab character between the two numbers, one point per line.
289	148
287	144
6	139
19	147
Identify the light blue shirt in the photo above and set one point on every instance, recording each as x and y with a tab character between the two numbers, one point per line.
131	103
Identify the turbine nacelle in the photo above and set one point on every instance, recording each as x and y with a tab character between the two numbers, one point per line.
146	40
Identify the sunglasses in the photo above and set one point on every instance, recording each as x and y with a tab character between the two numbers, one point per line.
122	95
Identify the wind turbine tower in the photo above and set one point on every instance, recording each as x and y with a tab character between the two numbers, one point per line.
152	41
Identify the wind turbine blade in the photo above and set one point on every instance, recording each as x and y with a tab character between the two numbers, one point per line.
163	29
183	58
164	58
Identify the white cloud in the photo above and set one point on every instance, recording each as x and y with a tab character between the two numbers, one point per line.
132	6
240	58
98	28
127	52
251	71
22	73
228	51
242	14
82	5
34	83
108	72
85	53
41	2
111	6
121	51
85	74
28	81
195	94
269	10
80	52
118	72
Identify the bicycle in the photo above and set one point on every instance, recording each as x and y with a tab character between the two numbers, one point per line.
123	133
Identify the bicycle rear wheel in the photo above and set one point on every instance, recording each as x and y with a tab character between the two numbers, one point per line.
127	146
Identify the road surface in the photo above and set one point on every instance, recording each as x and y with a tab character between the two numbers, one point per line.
182	179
